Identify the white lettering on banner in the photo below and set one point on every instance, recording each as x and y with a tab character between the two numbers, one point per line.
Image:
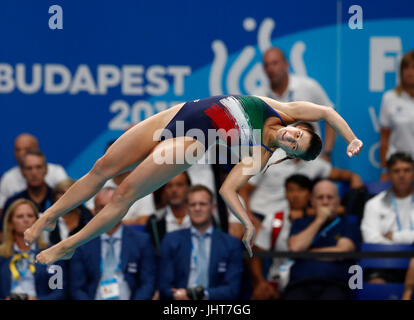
132	80
179	72
373	154
385	54
141	107
158	84
36	78
120	122
6	78
51	72
140	110
374	119
58	79
108	76
83	81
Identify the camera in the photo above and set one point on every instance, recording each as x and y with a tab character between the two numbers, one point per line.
196	293
18	296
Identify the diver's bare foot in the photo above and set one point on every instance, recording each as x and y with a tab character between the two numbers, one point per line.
55	253
42	224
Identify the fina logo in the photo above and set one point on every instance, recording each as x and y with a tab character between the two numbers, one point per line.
255	78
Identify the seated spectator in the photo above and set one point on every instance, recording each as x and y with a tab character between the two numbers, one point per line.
118	265
72	221
19	275
397	115
388	217
273	235
312	279
13	180
264	193
174	216
202	173
200	262
409	282
34	170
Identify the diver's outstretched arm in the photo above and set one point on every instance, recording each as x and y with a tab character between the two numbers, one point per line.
236	179
308	111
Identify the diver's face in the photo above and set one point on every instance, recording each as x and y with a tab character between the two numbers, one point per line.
295	141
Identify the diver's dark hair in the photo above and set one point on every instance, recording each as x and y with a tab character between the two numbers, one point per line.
314	149
305	125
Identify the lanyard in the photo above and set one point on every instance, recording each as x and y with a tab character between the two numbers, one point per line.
193	252
397	216
101	265
326	229
14	270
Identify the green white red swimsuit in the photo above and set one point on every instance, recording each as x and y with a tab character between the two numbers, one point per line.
235	119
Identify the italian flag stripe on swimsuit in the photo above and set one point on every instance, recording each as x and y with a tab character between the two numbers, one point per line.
255	109
243	113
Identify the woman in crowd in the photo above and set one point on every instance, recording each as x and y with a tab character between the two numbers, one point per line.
397	115
20	277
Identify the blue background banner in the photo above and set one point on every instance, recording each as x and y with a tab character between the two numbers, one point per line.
115	63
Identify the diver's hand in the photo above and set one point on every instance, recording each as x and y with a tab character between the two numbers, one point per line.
248	238
354	147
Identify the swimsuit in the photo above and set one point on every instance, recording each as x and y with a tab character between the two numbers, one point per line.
235	119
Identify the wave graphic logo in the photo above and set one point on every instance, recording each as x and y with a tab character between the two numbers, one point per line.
254	78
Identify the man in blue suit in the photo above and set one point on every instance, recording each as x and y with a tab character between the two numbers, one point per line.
119	265
200	262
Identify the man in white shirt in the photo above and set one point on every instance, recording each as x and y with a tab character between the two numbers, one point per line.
13	181
287	87
389	216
